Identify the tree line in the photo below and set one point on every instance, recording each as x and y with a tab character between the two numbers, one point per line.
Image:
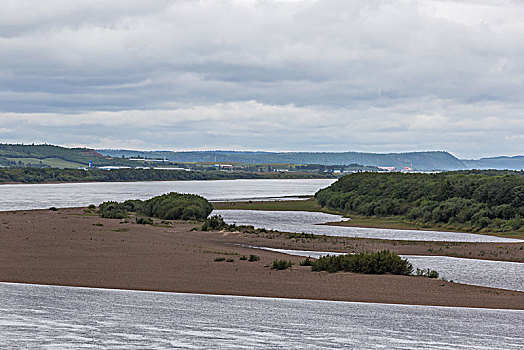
470	200
43	175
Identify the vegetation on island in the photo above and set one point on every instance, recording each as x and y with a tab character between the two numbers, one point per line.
171	206
489	201
370	263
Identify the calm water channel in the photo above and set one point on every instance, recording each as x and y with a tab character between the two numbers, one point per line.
53	317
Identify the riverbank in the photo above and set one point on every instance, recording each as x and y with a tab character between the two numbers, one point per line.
74	248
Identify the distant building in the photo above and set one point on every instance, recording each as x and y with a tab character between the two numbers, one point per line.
167	168
387	168
113	167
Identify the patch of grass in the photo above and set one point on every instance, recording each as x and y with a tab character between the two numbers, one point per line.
98	224
281	265
220	253
120	230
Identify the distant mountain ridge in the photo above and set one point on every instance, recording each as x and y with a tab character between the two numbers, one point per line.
63	157
501	162
430	160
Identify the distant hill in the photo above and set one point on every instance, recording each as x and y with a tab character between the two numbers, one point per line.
435	160
502	163
53	156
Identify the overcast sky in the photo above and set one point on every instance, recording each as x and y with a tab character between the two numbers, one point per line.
331	75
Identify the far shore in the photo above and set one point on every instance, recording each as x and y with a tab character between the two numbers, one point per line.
72	247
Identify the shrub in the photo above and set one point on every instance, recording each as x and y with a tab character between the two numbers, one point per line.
281	264
53	209
220	258
427	273
306	262
144	221
253	258
171	206
214	223
174	206
369	263
243	257
230	260
112	210
91	206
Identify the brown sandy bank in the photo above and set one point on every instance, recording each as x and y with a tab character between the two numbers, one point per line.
66	247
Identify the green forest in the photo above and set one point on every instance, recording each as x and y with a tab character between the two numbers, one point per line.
489	201
42	175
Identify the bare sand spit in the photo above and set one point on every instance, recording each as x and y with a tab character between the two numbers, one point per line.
69	247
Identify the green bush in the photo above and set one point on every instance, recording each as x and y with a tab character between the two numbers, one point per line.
427	273
171	206
144	221
220	258
253	258
369	263
230	260
91	206
281	264
175	206
306	262
112	210
214	223
243	257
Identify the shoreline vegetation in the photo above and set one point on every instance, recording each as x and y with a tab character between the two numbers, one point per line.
55	175
76	247
487	202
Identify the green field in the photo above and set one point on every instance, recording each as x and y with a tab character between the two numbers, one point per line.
52	162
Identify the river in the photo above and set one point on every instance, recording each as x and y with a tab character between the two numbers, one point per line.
66	195
33	316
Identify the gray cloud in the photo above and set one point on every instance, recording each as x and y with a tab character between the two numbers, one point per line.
283	75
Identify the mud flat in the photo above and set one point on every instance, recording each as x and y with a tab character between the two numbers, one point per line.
73	248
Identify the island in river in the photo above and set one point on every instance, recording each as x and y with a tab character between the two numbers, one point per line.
75	247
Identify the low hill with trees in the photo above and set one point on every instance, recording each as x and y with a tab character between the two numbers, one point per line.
434	160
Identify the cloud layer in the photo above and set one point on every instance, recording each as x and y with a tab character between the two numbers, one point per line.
277	75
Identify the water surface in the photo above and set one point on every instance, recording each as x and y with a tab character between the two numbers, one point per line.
34	316
43	196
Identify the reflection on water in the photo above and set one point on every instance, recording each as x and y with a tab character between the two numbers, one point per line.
42	196
69	318
308	222
487	273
